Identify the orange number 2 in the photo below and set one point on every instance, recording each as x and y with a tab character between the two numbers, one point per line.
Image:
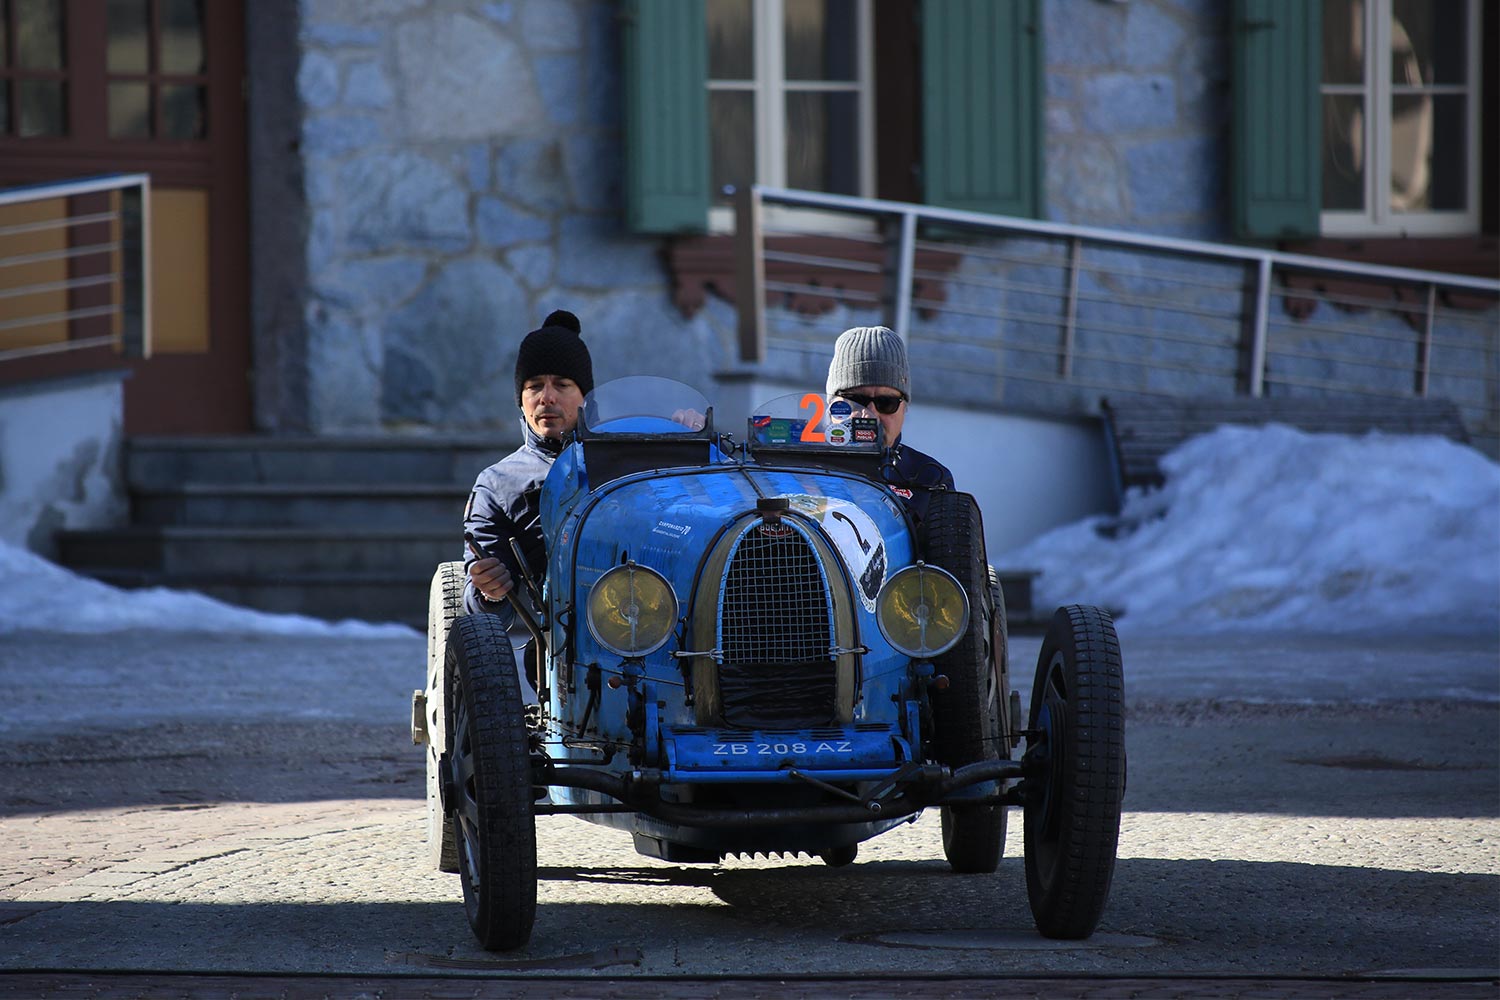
809	434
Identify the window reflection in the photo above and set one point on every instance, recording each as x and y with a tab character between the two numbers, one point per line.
181	36
182	112
129	111
822	142
39	34
820	40
731	116
1427	42
1343	153
127	49
1343	41
42	108
1428	153
731	49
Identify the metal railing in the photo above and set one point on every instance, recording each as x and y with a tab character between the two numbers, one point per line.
75	259
1047	316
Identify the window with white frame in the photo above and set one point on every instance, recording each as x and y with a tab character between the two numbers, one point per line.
1401	94
790	95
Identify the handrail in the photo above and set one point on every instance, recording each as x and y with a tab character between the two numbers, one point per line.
925	213
1063	314
120	264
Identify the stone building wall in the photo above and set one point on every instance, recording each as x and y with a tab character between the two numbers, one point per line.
462	166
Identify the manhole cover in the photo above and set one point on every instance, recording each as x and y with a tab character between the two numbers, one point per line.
996	940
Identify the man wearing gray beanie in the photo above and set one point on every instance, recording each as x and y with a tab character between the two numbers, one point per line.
869	369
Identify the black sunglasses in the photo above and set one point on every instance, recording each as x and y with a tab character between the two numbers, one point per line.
883	404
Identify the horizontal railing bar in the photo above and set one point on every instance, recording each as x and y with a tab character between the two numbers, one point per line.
840	263
1409	337
1342	359
72	314
825	291
69	253
67	222
59	286
1062	264
51	189
1353	301
1317	383
58	348
1195	248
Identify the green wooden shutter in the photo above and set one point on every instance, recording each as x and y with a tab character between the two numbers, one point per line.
1278	119
666	116
982	105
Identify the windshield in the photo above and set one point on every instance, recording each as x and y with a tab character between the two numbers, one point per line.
809	420
644	404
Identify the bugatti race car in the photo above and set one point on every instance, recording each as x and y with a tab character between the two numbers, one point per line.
757	646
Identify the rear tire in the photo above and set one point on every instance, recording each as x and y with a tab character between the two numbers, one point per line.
1076	772
491	788
445	602
968	716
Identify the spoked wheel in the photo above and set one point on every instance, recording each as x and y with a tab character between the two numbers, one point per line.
445	602
968	717
490	792
1075	772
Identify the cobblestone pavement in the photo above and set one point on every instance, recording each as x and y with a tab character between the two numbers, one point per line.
201	806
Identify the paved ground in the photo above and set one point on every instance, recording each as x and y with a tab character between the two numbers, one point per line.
192	805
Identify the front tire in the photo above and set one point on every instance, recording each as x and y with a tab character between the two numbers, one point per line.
445	602
968	717
1075	771
491	792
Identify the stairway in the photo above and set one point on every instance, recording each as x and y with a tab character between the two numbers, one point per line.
329	527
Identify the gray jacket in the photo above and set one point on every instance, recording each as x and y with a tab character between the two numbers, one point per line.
506	503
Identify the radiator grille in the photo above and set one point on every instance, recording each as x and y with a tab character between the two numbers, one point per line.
775	632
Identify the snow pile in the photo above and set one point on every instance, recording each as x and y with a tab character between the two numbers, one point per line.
38	595
1273	528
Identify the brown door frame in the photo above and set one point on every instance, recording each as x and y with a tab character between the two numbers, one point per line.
171	393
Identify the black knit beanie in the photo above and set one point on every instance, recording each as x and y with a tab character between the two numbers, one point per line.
555	349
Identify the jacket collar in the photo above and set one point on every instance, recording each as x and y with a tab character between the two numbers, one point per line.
549	447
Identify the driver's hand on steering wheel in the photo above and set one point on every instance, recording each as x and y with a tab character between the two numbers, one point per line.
491	578
689	418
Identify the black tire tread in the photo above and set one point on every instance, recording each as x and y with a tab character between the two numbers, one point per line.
1096	738
503	911
445	603
964	729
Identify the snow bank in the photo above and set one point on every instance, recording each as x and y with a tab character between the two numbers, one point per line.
38	595
1273	528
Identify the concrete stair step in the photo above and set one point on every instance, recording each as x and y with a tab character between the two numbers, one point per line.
336	505
391	597
155	463
260	552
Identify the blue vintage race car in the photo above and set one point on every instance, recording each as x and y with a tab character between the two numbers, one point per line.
754	647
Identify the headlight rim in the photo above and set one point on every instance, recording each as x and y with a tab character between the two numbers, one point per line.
588	604
959	633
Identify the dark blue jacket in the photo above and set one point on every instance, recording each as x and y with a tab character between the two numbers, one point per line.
912	473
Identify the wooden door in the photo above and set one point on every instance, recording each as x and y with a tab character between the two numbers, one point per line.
91	87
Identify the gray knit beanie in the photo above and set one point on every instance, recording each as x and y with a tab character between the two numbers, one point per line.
869	355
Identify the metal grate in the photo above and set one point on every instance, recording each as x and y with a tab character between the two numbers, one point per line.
775	632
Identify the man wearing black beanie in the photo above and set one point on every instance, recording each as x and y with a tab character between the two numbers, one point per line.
553	374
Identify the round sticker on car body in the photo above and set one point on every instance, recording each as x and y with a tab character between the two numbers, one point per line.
856	537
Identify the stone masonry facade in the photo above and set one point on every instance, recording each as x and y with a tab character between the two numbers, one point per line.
462	169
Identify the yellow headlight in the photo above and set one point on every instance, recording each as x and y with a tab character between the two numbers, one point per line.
922	611
632	610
